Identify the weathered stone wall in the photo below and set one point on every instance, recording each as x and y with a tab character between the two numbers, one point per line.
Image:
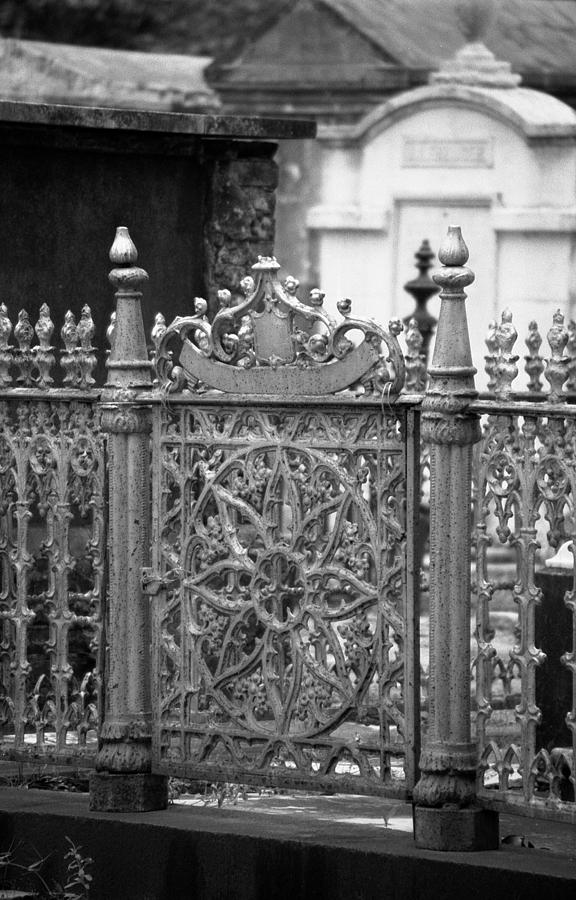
240	224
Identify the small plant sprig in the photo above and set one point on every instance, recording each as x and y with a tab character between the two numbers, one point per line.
11	870
78	881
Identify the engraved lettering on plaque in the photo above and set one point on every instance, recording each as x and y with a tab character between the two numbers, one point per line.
427	154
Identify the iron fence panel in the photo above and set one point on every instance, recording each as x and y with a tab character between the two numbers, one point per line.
281	648
52	540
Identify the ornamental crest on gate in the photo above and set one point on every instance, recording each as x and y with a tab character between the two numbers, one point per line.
267	341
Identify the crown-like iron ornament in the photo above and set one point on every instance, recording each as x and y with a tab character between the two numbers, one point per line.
267	341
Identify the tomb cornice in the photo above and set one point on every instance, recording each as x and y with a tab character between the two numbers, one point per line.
536	116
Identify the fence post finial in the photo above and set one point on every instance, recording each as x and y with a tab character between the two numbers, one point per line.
422	288
86	357
415	359
505	370
44	356
123	781
557	366
492	355
534	364
128	365
5	348
446	817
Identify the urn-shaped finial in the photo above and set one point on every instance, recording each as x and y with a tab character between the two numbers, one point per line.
452	347
123	251
128	365
453	250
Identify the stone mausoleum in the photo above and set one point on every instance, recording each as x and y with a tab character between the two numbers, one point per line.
473	148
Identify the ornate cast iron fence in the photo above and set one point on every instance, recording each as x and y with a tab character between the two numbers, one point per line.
52	534
525	483
285	621
284	578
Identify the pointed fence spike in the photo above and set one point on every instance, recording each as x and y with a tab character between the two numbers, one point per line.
43	356
490	358
505	369
158	329
534	364
23	357
85	353
86	328
69	335
157	333
69	331
556	371
6	350
571	354
415	359
111	329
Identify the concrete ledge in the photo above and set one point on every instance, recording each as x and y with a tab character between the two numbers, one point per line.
539	219
208	853
460	830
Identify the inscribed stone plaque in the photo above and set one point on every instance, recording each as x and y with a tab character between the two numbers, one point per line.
442	154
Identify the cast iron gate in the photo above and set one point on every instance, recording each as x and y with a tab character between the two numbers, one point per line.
285	481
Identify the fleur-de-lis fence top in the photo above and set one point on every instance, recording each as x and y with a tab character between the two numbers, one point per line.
415	358
28	365
265	340
559	369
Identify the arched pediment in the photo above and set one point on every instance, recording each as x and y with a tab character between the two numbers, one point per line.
532	114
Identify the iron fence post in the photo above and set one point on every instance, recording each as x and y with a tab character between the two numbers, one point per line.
446	816
123	781
422	288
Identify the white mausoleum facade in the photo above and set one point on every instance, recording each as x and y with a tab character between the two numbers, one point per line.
473	149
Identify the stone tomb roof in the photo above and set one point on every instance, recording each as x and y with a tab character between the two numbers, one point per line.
533	35
340	57
472	79
75	120
92	76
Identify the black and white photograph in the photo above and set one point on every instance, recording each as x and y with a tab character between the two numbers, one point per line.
287	457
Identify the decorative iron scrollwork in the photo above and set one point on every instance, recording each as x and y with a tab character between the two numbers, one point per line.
286	623
267	341
52	539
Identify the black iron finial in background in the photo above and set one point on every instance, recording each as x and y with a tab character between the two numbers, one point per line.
422	288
